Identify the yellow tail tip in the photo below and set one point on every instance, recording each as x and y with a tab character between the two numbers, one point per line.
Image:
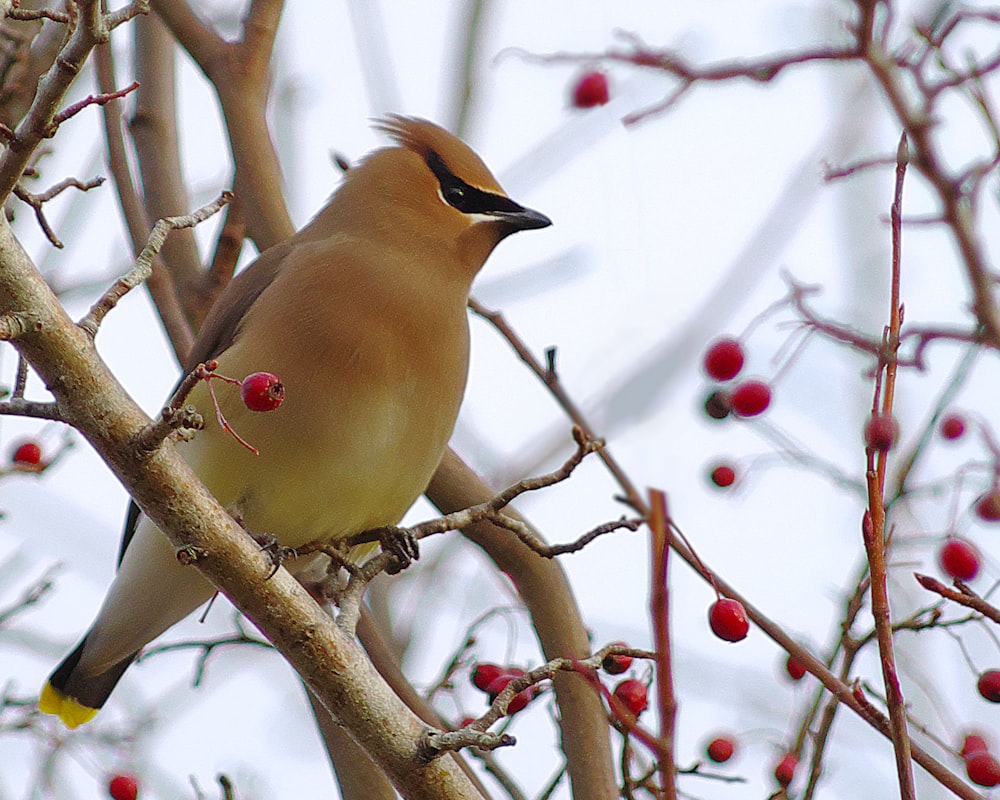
72	712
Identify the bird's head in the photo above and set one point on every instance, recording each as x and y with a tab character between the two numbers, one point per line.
432	186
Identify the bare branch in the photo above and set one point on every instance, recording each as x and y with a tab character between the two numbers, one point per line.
36	201
963	596
144	261
90	100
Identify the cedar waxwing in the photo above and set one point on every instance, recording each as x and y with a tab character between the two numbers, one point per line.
362	316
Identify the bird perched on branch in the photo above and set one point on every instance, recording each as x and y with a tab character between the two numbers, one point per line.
362	317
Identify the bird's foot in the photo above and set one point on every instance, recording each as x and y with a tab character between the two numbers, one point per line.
401	544
277	552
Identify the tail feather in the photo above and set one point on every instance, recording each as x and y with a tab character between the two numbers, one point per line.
76	697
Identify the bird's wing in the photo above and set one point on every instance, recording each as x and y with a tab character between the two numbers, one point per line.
218	331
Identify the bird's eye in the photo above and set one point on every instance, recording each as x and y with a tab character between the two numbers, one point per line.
454	195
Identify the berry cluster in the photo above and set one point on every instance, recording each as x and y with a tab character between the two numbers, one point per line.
493	679
981	766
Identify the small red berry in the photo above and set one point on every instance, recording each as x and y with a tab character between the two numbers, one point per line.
723	476
519	700
785	769
721	749
483	675
728	620
632	693
988	506
123	787
27	454
881	432
616	664
959	559
794	668
718	405
953	427
989	685
973	743
591	90
723	359
983	769
750	398
262	391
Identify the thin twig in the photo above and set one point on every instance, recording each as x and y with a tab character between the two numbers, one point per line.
963	596
144	261
660	614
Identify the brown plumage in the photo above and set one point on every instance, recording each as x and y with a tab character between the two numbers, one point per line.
362	315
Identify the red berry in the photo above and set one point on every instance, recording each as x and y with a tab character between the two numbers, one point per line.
973	743
720	749
988	506
750	398
728	620
632	693
520	700
989	685
591	90
615	664
881	432
724	359
27	454
982	769
953	427
723	476
483	675
123	787
785	770
718	405
959	559
794	668
262	391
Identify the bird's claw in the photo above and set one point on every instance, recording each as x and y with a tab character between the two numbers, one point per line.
277	552
402	545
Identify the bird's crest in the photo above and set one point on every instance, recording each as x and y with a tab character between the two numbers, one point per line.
428	140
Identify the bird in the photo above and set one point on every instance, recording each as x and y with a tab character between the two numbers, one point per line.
362	316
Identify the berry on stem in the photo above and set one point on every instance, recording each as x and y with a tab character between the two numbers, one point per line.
881	432
262	391
973	743
591	89
728	620
794	668
718	405
520	700
785	769
723	359
123	787
723	476
989	685
750	398
721	749
616	664
952	427
484	674
983	769
988	506
632	694
959	559
27	455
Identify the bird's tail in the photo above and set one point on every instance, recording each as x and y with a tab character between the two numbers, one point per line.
76	697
